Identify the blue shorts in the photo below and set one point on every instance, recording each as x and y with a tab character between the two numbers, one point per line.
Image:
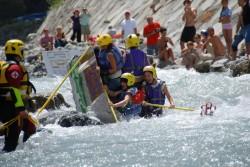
152	50
244	33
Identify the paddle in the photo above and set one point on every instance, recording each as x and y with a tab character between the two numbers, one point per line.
168	107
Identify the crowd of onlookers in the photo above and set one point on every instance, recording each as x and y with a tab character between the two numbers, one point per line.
80	27
195	46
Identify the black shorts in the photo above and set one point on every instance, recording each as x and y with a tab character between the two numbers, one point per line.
188	34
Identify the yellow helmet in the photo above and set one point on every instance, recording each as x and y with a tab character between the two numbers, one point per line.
132	41
14	47
150	69
104	40
129	77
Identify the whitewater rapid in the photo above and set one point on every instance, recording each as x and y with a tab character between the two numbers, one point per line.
181	139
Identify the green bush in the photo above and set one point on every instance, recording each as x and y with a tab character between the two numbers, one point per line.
55	3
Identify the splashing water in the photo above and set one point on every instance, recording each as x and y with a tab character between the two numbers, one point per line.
176	139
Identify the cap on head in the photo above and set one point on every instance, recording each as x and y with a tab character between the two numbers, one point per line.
204	32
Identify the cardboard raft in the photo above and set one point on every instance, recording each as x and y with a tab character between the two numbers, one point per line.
87	88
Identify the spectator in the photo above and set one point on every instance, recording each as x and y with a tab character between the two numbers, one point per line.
227	27
243	28
189	17
128	25
152	32
218	47
165	52
199	46
60	40
190	56
204	37
76	26
46	41
84	20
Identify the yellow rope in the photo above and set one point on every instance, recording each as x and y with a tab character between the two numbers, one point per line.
62	82
10	122
111	108
168	107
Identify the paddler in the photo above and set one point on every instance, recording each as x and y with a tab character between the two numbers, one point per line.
110	62
135	59
130	105
156	92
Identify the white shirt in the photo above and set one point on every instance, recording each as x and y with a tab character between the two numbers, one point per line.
128	26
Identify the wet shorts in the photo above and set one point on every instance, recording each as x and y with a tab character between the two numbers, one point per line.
188	34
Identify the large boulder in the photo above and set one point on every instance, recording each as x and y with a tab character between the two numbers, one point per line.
219	66
56	102
77	119
240	67
203	66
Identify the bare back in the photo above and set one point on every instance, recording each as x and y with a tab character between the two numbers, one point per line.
218	47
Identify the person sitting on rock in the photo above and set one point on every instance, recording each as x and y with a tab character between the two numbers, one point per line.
129	107
199	46
190	56
218	47
46	41
156	92
135	59
165	53
60	40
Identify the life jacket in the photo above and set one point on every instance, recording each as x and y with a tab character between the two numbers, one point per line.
135	61
154	94
10	100
133	108
26	86
103	58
